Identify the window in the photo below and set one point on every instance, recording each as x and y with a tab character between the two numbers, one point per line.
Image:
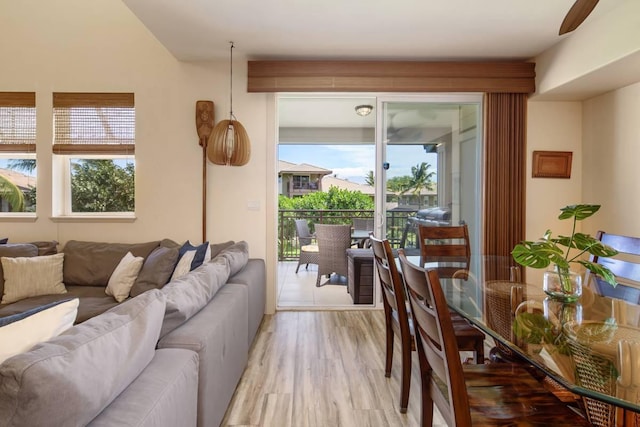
94	153
17	153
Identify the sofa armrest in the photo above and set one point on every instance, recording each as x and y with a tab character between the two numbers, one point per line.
253	277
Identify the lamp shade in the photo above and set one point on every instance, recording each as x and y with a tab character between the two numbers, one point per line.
229	144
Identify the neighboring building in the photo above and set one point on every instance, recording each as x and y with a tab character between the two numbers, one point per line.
333	181
299	179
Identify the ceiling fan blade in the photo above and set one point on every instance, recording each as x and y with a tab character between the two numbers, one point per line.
576	15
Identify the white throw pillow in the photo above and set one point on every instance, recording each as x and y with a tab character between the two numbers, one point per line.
32	276
124	276
21	335
184	264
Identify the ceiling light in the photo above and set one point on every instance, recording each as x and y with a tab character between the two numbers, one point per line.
364	110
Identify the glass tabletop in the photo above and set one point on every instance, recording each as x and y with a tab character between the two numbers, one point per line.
592	346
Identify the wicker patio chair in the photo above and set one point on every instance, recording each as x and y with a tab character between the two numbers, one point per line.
309	253
333	242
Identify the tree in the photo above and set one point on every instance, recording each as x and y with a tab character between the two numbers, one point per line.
421	179
26	165
12	194
102	186
370	179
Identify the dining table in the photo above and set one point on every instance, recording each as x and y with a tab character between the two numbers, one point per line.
591	346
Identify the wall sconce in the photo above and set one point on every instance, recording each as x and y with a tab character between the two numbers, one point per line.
364	110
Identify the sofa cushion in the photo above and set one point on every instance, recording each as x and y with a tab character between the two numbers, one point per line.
237	255
15	250
92	263
20	332
189	293
70	379
46	247
32	276
124	276
156	270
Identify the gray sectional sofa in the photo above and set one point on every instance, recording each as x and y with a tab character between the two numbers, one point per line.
169	356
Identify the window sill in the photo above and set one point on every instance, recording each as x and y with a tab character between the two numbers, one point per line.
17	217
93	218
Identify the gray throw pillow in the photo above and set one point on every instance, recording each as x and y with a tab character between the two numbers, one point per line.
156	270
216	248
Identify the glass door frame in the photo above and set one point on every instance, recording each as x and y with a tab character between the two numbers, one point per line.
381	157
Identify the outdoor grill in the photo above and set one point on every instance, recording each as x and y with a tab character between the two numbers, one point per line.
434	217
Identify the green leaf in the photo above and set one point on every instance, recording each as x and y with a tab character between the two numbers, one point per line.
579	212
536	254
601	271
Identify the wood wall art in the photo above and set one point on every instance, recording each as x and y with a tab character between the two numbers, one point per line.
552	164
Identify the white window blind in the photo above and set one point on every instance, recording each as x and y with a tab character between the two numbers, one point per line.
18	122
94	123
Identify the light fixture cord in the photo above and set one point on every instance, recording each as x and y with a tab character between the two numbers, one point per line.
231	116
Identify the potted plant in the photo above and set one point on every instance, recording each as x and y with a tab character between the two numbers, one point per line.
561	251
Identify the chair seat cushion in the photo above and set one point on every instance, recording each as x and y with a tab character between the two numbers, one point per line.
309	248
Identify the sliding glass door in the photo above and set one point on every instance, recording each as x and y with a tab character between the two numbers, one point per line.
430	151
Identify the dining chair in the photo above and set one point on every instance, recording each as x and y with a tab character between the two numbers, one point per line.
309	252
446	243
398	320
467	395
333	242
625	266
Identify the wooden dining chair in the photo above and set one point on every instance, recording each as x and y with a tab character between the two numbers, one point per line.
625	266
398	320
467	395
446	243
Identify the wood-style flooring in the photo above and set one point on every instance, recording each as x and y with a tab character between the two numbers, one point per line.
323	369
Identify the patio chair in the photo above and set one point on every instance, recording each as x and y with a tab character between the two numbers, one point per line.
466	395
333	242
309	253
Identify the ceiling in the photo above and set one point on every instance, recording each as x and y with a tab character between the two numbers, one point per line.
194	30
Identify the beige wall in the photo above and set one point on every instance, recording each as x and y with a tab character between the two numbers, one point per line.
100	46
611	160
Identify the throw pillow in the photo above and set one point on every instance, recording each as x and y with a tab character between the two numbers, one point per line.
156	270
46	247
30	277
200	254
20	332
4	241
216	248
15	250
124	276
184	264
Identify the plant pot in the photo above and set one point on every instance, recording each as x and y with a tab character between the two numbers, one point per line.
562	284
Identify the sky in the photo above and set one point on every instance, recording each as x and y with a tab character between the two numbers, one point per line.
353	162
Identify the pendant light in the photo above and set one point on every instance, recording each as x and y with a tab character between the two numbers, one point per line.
229	142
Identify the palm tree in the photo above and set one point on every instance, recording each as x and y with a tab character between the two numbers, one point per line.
370	179
26	165
12	194
421	179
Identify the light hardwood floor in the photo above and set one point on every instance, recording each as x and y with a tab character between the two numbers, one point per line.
322	369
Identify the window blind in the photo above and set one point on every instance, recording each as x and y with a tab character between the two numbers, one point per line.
94	123
18	122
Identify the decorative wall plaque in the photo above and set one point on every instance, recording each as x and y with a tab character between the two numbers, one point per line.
552	164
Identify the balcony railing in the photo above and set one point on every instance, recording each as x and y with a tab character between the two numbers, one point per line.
288	248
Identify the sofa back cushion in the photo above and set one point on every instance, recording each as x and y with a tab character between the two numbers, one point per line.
13	250
237	255
92	263
70	379
187	294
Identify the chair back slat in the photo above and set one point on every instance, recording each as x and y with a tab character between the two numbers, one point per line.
447	243
436	342
625	266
